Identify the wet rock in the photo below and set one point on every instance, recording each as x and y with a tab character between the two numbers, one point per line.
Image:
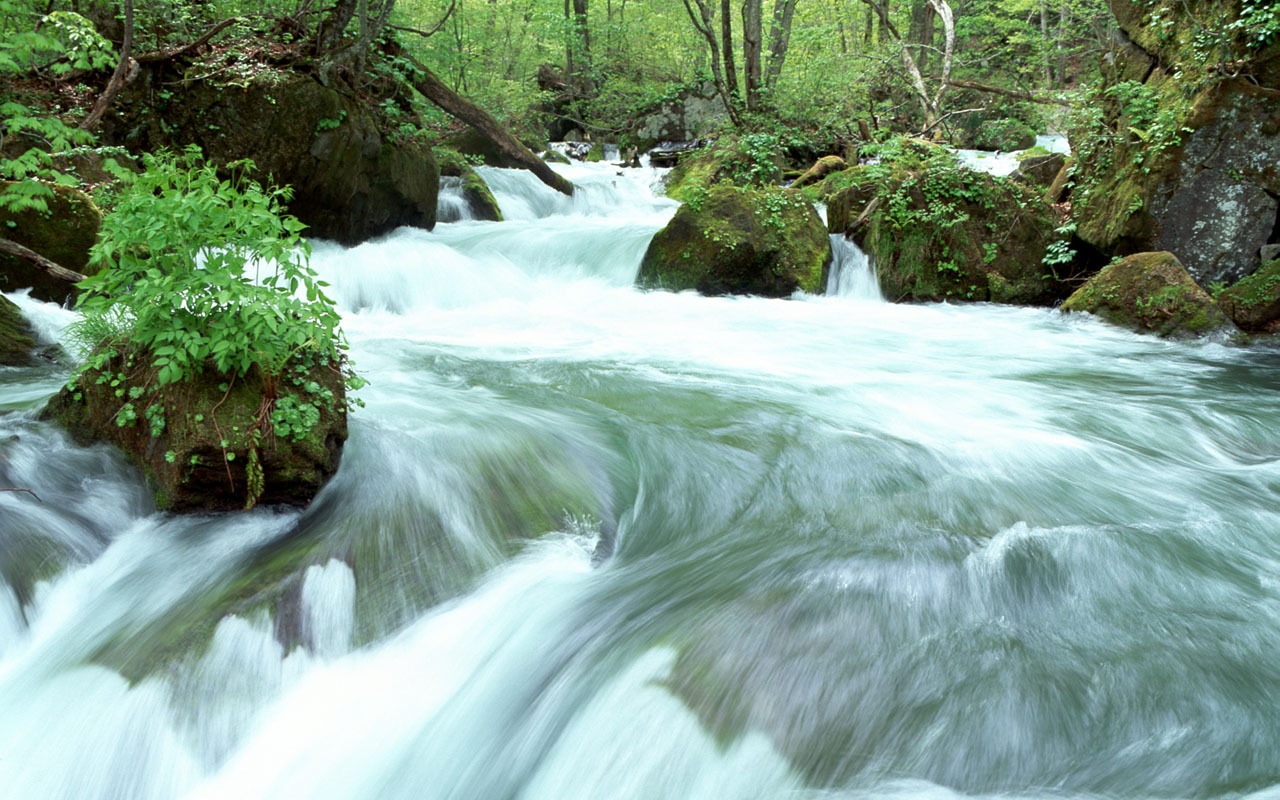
63	234
767	242
1151	293
214	434
1254	303
1040	170
475	191
353	178
17	342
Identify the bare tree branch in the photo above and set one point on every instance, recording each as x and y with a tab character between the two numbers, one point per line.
10	247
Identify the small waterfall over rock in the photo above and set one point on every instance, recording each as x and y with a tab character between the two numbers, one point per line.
852	273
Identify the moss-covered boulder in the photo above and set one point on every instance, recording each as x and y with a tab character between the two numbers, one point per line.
353	176
732	240
1253	304
1153	293
1006	135
1040	170
753	159
939	231
17	343
230	445
1182	153
479	200
63	234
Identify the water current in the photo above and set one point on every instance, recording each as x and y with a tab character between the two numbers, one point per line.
594	542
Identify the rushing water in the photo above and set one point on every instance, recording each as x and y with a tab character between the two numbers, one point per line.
592	542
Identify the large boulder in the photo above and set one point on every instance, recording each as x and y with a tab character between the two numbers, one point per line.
1152	293
692	113
760	241
1184	155
1254	303
939	231
226	448
353	177
17	343
63	233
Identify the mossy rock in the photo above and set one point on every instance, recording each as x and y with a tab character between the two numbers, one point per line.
767	242
63	234
555	157
483	205
938	231
17	343
1253	304
820	169
201	459
352	177
1040	171
1005	135
748	160
1151	293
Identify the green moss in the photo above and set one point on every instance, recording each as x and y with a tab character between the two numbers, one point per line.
16	341
63	234
484	205
1254	302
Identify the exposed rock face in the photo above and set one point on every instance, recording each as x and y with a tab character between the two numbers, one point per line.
767	242
201	460
1152	293
1197	177
17	344
938	231
685	118
63	235
351	180
1040	170
1254	303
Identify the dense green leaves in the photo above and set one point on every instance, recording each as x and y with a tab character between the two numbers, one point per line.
207	272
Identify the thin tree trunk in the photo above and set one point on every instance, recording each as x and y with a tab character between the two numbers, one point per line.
752	32
780	39
704	22
118	76
726	46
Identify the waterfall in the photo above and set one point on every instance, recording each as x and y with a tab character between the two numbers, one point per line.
451	203
588	541
852	273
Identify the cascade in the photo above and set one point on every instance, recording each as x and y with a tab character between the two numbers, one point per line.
588	541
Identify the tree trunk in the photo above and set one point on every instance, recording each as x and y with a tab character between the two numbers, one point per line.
752	28
780	40
334	26
726	38
118	77
460	107
704	22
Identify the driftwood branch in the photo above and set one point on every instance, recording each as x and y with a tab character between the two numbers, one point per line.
28	491
175	52
1028	96
12	248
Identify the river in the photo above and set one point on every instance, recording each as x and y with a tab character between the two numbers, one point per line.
593	542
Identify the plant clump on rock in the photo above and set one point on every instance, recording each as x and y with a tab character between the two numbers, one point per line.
940	231
215	359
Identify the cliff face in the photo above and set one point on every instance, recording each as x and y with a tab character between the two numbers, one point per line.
1184	154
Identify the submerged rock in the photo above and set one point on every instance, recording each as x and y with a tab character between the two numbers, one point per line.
221	451
63	234
1150	292
767	242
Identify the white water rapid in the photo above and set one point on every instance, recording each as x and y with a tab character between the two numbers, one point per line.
592	542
